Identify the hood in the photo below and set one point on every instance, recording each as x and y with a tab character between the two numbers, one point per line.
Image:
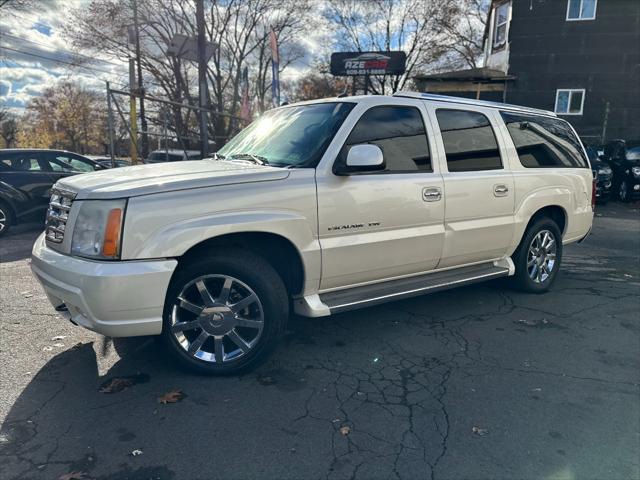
166	177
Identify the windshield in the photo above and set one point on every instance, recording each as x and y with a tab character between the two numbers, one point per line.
290	136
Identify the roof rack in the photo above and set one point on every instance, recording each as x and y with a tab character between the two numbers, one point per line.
469	101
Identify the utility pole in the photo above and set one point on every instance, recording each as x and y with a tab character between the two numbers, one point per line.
132	112
110	125
143	118
202	78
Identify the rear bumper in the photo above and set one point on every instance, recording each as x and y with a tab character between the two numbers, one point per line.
117	299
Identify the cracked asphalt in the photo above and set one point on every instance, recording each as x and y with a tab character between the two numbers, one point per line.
475	383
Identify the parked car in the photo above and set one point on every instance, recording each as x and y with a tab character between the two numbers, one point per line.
106	162
26	177
173	156
321	207
603	175
624	158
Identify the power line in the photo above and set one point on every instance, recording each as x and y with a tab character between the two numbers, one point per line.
67	52
56	60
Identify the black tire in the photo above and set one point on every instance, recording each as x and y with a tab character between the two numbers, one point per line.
522	279
252	274
6	218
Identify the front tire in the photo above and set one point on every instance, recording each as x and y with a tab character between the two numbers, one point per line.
537	259
6	218
223	314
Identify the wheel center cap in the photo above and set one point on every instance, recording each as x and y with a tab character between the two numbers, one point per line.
216	320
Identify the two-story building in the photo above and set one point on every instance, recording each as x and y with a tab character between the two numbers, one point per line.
579	58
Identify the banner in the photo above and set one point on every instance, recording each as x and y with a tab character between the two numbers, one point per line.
275	62
368	63
245	109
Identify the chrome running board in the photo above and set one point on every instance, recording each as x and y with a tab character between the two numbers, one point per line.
368	295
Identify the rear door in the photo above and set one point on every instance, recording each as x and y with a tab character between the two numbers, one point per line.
28	184
478	185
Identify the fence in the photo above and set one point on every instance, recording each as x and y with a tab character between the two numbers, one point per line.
173	124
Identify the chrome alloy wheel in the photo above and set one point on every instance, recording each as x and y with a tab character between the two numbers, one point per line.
542	256
217	318
3	220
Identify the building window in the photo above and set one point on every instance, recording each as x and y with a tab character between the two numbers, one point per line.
500	25
569	101
581	10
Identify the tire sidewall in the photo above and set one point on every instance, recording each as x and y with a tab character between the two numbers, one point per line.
8	216
261	278
520	259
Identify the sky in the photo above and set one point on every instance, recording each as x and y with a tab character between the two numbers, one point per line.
34	55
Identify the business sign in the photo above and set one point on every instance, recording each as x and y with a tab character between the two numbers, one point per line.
368	63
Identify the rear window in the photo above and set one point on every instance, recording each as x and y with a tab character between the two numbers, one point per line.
544	142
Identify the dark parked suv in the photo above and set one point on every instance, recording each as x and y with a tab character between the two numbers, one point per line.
624	158
26	177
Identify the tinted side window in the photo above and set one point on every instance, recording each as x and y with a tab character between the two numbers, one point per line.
469	141
22	161
400	134
544	142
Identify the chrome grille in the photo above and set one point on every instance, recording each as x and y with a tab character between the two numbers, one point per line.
58	214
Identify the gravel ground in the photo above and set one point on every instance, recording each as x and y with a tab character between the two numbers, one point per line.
475	383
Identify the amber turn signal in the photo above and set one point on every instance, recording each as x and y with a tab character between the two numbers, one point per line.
111	245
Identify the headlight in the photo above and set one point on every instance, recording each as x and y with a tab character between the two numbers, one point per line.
605	171
97	230
636	171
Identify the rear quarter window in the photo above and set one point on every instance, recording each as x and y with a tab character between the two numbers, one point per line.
544	142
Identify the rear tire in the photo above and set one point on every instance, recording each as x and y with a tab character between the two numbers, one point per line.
6	218
224	313
538	257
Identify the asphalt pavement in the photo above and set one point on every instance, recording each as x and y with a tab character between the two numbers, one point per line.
475	383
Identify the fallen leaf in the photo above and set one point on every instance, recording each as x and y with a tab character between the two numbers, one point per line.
345	430
118	384
58	337
173	396
136	452
480	431
72	476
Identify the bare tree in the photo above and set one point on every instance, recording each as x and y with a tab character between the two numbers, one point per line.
413	26
238	30
463	33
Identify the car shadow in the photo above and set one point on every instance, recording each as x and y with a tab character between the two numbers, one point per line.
18	242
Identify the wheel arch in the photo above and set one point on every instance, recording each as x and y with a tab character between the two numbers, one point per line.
276	249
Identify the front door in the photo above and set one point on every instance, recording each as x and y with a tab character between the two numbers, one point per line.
382	224
478	189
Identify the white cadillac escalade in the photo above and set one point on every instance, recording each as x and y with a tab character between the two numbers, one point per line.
315	208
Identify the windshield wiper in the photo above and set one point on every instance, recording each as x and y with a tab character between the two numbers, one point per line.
218	156
257	159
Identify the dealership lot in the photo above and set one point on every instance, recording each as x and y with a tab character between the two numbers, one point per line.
479	382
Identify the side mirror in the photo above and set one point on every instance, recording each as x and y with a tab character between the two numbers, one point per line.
363	158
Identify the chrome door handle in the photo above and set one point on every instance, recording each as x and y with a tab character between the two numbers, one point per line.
500	190
431	194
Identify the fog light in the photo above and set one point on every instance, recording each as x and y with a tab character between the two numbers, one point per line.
636	186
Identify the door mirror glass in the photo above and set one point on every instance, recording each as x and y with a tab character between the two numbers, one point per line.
365	157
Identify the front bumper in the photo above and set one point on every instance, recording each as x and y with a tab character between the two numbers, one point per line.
117	299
